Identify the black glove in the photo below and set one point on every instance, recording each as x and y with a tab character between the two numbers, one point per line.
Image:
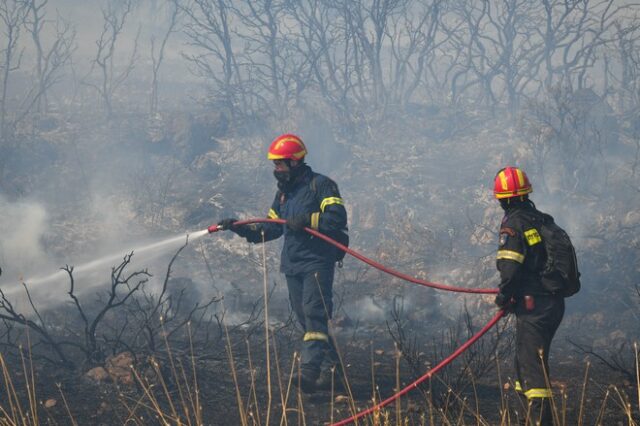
504	302
297	223
227	224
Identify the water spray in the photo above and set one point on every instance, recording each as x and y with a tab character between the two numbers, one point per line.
149	251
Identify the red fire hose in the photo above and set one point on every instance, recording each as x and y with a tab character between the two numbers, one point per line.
428	374
214	228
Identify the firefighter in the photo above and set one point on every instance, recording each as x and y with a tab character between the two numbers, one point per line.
304	199
521	258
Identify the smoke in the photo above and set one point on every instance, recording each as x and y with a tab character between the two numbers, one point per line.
22	226
429	168
29	238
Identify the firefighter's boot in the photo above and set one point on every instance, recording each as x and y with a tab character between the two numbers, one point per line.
331	379
308	379
541	412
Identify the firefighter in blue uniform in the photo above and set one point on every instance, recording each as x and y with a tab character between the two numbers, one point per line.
520	259
304	199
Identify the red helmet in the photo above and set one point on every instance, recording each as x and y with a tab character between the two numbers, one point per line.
287	147
511	182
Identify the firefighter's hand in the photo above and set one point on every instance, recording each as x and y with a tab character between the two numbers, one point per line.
297	223
227	224
504	302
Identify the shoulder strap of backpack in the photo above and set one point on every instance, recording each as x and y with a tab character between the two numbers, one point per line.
531	217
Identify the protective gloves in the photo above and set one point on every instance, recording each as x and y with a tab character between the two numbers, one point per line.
297	223
504	302
227	224
250	231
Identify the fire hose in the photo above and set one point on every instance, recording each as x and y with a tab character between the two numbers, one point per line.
215	228
428	374
379	266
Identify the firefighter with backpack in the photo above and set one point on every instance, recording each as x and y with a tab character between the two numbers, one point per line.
538	269
305	199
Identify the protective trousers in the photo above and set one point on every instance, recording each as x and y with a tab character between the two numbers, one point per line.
310	295
535	327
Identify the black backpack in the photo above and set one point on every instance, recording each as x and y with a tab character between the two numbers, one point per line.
560	274
341	236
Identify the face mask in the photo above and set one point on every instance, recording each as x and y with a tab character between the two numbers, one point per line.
281	176
512	203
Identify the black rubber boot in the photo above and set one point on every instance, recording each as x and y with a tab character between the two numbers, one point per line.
331	377
308	380
541	414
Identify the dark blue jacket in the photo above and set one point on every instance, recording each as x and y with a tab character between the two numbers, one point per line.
521	255
312	194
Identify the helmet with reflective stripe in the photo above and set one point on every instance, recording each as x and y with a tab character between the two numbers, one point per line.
511	182
287	147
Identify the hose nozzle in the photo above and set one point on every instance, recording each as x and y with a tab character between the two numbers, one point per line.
213	228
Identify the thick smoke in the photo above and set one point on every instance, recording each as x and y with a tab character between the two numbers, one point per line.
413	154
23	225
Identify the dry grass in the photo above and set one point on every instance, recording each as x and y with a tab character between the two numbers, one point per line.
172	395
175	400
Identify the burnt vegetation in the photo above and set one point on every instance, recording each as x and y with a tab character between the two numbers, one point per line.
143	119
